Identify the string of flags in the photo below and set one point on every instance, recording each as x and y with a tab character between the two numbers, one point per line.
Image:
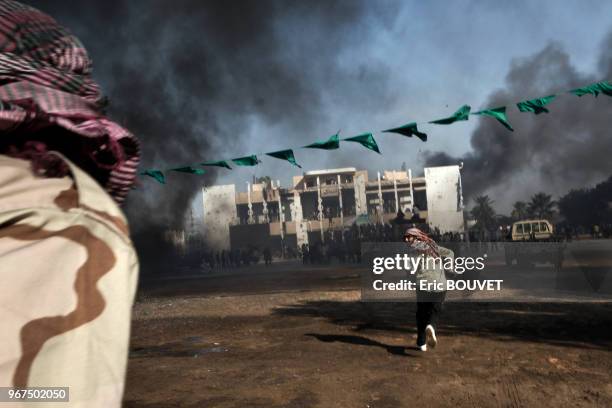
535	106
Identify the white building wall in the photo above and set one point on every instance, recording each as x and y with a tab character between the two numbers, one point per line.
301	230
443	188
361	206
219	211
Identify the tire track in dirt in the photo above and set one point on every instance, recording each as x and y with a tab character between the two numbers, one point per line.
508	395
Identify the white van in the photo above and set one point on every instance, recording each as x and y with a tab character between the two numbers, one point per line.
540	230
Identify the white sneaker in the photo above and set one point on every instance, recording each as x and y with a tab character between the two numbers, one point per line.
423	347
430	335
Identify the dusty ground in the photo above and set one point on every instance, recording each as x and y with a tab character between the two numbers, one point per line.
295	337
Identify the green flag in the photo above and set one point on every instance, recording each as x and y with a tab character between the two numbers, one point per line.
285	155
332	143
408	130
156	174
497	113
535	105
246	160
366	140
189	169
605	88
220	163
461	114
594	89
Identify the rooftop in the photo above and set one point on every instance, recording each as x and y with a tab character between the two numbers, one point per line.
344	170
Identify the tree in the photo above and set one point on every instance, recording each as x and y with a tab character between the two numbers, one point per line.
541	206
519	210
588	206
483	212
267	180
577	207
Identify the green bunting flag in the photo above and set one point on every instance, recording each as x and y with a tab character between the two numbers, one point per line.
220	163
461	114
332	143
535	105
366	140
246	160
408	130
156	174
594	89
285	155
189	169
605	88
497	113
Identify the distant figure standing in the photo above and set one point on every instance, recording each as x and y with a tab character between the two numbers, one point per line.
211	260
267	256
224	259
430	301
305	254
595	231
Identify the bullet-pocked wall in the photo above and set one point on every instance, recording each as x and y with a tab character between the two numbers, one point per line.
444	198
220	211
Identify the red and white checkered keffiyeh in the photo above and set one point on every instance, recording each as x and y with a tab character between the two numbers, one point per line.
45	84
423	243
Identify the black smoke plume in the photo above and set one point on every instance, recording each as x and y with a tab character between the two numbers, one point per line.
188	78
569	147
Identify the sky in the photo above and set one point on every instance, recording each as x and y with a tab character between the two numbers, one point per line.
209	80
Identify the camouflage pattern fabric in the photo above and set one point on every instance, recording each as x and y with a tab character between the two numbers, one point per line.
69	275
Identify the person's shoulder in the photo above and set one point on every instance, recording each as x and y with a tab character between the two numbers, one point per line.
445	252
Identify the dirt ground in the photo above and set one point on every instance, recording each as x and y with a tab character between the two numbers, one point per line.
292	336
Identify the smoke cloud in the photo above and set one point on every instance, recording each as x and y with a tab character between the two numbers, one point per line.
214	79
567	148
192	78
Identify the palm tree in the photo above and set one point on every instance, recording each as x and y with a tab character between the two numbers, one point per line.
483	212
541	206
519	210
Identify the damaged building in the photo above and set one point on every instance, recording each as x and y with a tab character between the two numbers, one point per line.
328	200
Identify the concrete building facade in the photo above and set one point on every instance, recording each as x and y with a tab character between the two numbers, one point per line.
324	200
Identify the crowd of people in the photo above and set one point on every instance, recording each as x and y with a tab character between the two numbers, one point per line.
595	232
234	258
344	246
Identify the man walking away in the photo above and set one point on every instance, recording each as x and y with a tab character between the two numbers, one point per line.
430	301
